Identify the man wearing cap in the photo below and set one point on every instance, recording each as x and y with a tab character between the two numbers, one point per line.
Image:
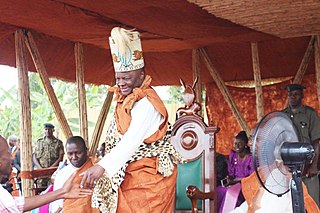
138	171
308	124
48	151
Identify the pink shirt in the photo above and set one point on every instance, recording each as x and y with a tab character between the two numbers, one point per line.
10	204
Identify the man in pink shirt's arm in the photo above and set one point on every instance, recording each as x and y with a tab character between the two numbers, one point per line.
11	204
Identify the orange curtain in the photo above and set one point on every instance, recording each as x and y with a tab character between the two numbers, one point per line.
274	97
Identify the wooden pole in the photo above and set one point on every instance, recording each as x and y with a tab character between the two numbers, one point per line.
303	65
100	123
197	74
37	60
317	64
305	62
24	113
224	90
257	80
78	49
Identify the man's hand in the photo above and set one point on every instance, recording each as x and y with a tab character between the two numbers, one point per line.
72	190
312	171
58	210
91	176
192	192
69	190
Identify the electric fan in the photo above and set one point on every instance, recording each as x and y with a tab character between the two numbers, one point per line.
279	157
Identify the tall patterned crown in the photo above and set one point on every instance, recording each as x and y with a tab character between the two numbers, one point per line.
126	50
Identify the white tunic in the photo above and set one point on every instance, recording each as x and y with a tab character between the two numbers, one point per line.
60	178
270	202
145	121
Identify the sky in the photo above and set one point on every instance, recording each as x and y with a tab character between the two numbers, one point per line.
9	77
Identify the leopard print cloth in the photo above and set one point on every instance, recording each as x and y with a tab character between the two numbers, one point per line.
105	194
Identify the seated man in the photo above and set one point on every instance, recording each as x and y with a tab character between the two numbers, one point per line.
100	153
102	149
11	204
77	154
260	201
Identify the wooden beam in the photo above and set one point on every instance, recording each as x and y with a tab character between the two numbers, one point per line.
44	172
257	80
317	64
24	112
305	62
224	90
37	60
197	74
83	113
303	65
100	123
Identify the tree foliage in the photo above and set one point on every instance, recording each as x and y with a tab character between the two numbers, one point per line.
41	109
175	95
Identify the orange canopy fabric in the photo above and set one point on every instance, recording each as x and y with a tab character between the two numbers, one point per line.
274	97
170	30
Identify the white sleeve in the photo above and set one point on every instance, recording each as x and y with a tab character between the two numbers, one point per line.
58	183
243	208
61	177
145	120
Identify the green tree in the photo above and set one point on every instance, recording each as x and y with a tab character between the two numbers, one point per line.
175	95
41	109
9	112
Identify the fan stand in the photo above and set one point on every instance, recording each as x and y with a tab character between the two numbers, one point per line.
296	189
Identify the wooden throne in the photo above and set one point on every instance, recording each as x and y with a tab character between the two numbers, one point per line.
195	141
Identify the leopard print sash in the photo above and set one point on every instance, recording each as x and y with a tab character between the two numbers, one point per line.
105	194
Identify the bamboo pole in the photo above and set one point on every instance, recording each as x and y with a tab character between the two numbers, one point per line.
224	90
24	112
78	49
100	123
257	80
303	65
37	60
317	64
197	74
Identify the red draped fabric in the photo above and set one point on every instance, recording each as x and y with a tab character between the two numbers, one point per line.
274	97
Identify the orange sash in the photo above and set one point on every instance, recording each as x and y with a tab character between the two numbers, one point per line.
125	104
144	190
80	204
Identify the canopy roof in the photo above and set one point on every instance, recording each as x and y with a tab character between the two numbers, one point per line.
169	31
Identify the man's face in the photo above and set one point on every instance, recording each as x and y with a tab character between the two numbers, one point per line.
295	98
12	142
5	158
76	154
48	132
127	81
102	150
